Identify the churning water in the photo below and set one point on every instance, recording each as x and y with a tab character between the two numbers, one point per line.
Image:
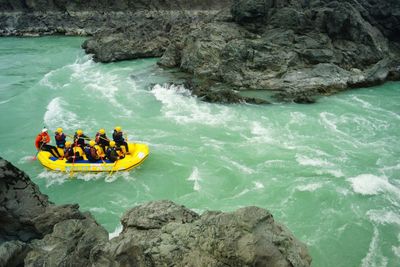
329	171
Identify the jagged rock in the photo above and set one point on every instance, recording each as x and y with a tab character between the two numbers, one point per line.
20	202
154	234
163	233
213	92
287	55
35	232
45	221
155	215
42	17
148	36
69	244
13	253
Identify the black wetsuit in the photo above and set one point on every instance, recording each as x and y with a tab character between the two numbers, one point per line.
80	140
102	140
70	155
91	154
118	137
112	154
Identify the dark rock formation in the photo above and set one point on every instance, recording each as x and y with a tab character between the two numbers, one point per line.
41	17
213	92
293	47
21	201
35	232
163	233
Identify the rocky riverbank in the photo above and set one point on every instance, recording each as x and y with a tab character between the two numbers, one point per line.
35	232
296	49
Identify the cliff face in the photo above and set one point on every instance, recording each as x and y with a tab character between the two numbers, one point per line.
35	232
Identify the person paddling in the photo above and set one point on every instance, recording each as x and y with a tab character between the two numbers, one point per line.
41	143
112	152
69	153
79	139
102	139
60	138
118	137
92	153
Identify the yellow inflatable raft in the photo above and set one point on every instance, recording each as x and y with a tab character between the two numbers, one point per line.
138	153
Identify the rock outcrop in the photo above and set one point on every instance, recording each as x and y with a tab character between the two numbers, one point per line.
163	233
44	17
296	48
35	232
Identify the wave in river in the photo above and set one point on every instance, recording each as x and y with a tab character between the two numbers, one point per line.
369	184
183	109
58	114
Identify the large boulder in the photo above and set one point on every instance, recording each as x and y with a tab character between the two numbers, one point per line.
20	203
293	47
69	244
35	232
164	233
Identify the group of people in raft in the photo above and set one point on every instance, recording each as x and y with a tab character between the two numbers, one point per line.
100	148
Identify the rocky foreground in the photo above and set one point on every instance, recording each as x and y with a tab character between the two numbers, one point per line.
35	232
294	48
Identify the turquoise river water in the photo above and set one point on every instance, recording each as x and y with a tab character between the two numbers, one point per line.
329	171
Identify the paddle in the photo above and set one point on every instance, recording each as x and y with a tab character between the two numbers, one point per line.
40	148
102	159
104	138
71	172
115	163
72	137
112	169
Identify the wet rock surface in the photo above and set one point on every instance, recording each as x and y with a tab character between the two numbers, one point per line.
157	233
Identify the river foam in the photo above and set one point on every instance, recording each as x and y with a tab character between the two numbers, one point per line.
58	114
116	232
315	162
180	106
99	83
53	178
374	256
369	184
384	217
195	177
309	187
